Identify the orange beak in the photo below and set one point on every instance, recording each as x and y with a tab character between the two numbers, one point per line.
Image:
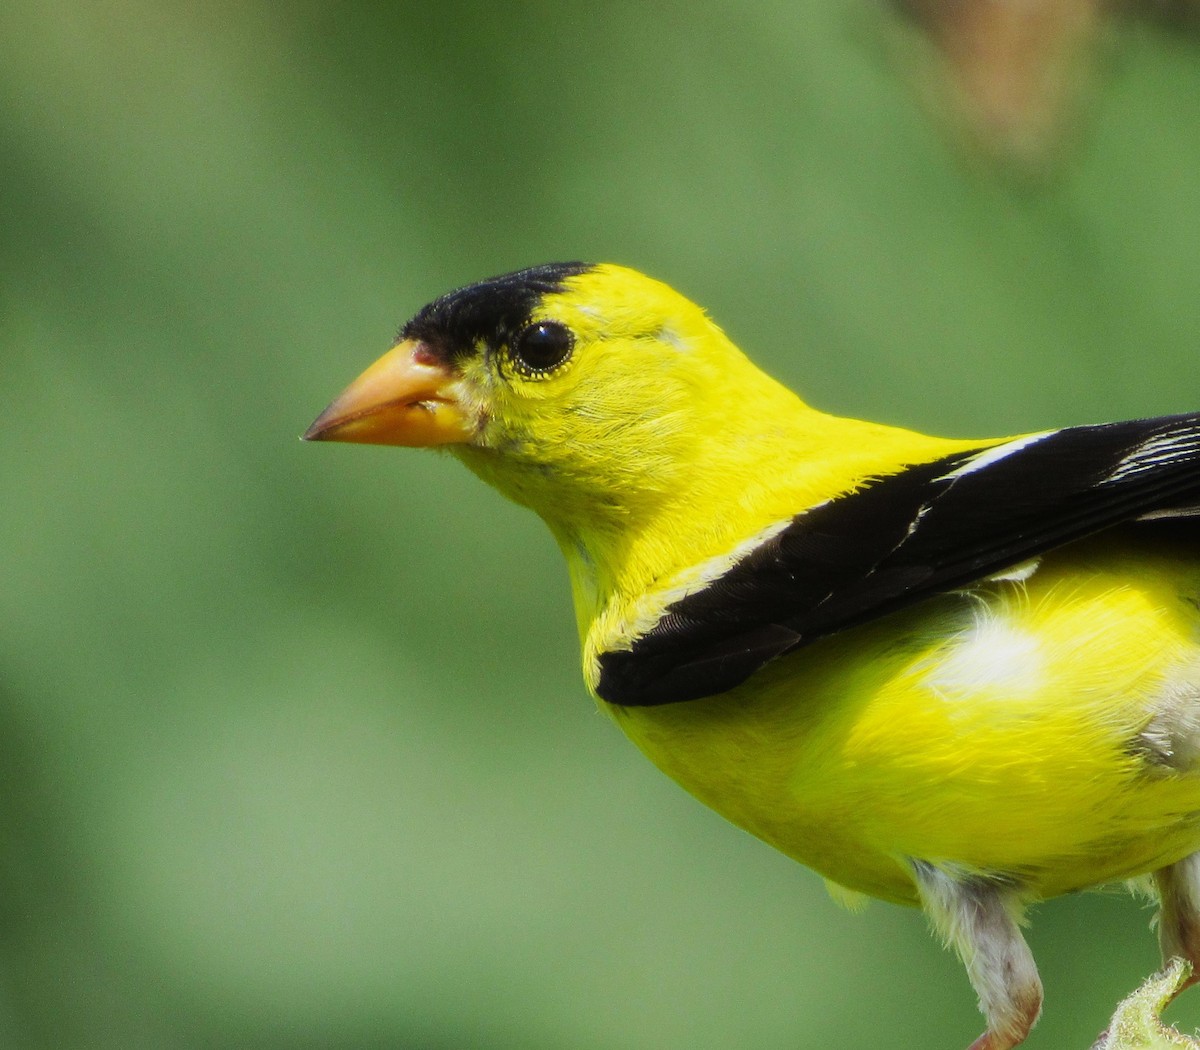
407	397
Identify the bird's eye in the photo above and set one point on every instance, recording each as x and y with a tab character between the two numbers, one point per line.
542	347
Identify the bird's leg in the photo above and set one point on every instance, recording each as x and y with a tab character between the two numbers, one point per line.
1178	888
979	918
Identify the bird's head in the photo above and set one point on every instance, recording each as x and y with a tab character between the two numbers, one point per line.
587	392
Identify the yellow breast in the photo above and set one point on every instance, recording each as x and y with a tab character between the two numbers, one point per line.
1045	730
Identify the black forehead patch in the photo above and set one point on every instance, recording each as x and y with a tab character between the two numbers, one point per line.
490	311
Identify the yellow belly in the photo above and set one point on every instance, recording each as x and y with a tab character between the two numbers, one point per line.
1043	730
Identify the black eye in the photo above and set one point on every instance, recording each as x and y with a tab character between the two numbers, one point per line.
542	347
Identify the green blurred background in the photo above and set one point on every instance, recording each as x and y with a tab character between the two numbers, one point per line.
293	746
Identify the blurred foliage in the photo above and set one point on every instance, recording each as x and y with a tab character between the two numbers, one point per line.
293	746
1136	1024
1013	78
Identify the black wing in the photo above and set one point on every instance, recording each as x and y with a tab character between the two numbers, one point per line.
930	528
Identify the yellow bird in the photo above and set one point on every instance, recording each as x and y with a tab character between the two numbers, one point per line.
959	674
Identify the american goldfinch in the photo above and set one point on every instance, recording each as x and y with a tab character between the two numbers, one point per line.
958	674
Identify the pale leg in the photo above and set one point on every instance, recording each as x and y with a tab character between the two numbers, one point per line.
1179	911
978	918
